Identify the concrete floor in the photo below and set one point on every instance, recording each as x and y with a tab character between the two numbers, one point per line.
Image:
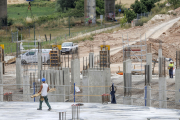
90	111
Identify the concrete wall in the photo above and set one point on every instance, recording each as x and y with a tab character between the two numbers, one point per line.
66	78
95	78
3	9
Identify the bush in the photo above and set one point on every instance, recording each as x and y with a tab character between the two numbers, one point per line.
130	15
142	21
123	21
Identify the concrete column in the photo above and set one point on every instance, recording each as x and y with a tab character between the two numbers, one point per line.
149	62
18	72
85	90
159	56
26	89
127	82
148	92
147	95
39	64
66	78
162	92
177	86
91	60
1	81
75	73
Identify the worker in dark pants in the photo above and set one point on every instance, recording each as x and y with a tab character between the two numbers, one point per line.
171	65
44	89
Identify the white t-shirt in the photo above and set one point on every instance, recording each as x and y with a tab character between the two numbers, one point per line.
44	89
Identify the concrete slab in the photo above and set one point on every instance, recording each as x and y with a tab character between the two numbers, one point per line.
90	111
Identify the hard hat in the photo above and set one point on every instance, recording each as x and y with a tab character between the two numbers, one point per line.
43	80
171	61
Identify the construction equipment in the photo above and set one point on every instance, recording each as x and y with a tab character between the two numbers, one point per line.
105	56
54	55
38	94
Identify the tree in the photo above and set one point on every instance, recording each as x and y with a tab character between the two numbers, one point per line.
130	15
149	4
61	5
138	7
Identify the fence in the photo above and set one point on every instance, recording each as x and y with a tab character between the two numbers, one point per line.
139	16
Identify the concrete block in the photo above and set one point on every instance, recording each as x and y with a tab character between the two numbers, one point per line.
18	72
127	100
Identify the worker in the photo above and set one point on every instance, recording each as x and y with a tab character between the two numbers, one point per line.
44	89
171	65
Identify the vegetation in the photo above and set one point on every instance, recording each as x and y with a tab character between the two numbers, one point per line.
175	3
143	5
130	15
123	21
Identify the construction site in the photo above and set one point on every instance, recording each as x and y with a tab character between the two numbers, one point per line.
122	75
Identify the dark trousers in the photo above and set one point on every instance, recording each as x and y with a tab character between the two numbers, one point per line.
41	101
171	73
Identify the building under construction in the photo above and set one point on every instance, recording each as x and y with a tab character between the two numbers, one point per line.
3	12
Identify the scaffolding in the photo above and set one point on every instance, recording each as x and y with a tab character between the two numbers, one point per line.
136	50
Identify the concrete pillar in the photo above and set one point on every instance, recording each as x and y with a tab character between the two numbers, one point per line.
1	81
91	60
66	78
149	62
147	95
162	92
85	90
159	53
127	82
18	72
26	89
39	64
148	87
177	86
75	73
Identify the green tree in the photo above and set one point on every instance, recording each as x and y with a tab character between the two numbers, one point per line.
61	5
130	15
138	7
149	4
